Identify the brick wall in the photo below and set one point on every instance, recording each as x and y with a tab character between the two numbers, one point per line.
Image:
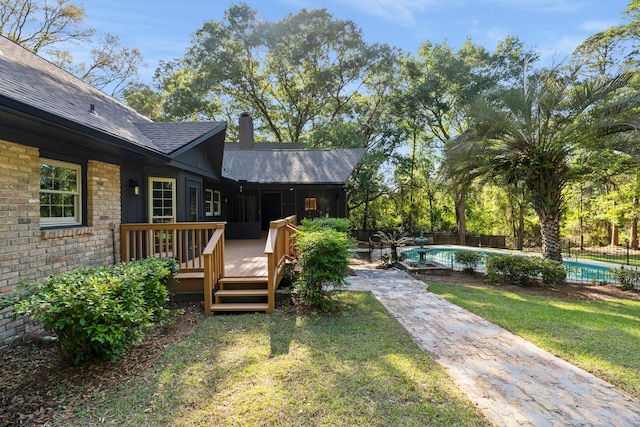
26	251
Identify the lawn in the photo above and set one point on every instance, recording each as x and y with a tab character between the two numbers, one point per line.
601	336
356	366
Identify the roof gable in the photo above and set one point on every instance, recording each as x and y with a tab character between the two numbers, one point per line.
171	137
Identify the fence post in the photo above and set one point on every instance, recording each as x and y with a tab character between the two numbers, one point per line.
627	253
569	248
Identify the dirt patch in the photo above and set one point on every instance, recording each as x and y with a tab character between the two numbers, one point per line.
37	387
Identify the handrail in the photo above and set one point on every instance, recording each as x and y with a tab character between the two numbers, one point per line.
279	248
197	247
183	241
213	265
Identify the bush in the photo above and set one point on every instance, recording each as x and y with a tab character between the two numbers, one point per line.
470	259
324	261
338	224
523	270
97	313
628	280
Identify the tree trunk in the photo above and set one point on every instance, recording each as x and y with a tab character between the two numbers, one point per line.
634	225
615	235
461	207
366	210
550	229
521	226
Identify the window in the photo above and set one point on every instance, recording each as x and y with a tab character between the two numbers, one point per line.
60	193
310	204
212	203
162	200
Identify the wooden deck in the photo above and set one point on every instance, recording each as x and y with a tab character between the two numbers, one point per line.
234	273
245	258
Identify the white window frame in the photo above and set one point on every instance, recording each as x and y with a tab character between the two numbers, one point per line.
212	204
162	218
77	196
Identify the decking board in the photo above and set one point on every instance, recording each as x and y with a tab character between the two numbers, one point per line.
245	258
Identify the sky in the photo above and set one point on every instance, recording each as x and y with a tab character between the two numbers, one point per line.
162	29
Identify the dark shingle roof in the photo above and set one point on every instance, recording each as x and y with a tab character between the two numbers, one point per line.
171	136
35	82
289	166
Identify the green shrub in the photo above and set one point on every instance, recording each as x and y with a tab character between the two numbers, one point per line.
551	272
316	224
523	270
470	259
324	262
97	313
628	280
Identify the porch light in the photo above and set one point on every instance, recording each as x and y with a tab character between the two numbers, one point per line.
135	187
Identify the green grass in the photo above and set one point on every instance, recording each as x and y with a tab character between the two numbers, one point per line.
614	259
354	367
602	337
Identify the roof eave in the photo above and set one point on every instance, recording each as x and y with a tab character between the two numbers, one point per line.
19	108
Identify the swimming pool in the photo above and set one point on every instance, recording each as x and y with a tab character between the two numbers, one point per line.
577	272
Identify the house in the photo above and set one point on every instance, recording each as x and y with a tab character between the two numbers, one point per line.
76	163
276	180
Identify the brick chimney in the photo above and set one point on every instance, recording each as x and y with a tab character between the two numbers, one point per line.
245	131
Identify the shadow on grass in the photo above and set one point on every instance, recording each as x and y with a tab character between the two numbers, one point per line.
357	366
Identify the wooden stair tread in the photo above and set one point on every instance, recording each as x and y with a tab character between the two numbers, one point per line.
190	275
257	279
242	293
240	306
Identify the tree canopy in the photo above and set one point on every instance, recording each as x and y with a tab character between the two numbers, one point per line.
47	27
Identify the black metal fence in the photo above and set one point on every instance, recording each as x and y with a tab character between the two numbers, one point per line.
592	267
586	265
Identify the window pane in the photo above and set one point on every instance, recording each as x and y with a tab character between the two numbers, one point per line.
161	202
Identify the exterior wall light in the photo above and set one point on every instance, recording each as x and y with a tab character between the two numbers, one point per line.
135	187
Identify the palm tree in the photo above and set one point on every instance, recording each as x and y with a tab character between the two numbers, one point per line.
528	135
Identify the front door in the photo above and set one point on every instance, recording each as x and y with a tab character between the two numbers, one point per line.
270	208
193	208
194	204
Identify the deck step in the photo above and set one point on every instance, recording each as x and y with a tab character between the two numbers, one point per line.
238	283
256	279
189	275
242	293
240	306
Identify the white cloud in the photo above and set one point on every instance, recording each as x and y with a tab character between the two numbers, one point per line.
597	26
560	49
402	12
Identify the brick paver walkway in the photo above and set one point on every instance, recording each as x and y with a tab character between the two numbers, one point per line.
512	381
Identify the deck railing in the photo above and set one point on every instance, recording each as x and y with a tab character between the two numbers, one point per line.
279	248
213	265
184	241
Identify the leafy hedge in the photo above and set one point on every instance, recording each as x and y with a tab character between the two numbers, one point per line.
628	280
97	313
523	270
470	259
324	261
317	224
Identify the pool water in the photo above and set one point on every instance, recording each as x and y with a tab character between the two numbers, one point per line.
576	271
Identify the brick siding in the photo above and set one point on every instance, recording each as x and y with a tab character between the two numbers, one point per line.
26	251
